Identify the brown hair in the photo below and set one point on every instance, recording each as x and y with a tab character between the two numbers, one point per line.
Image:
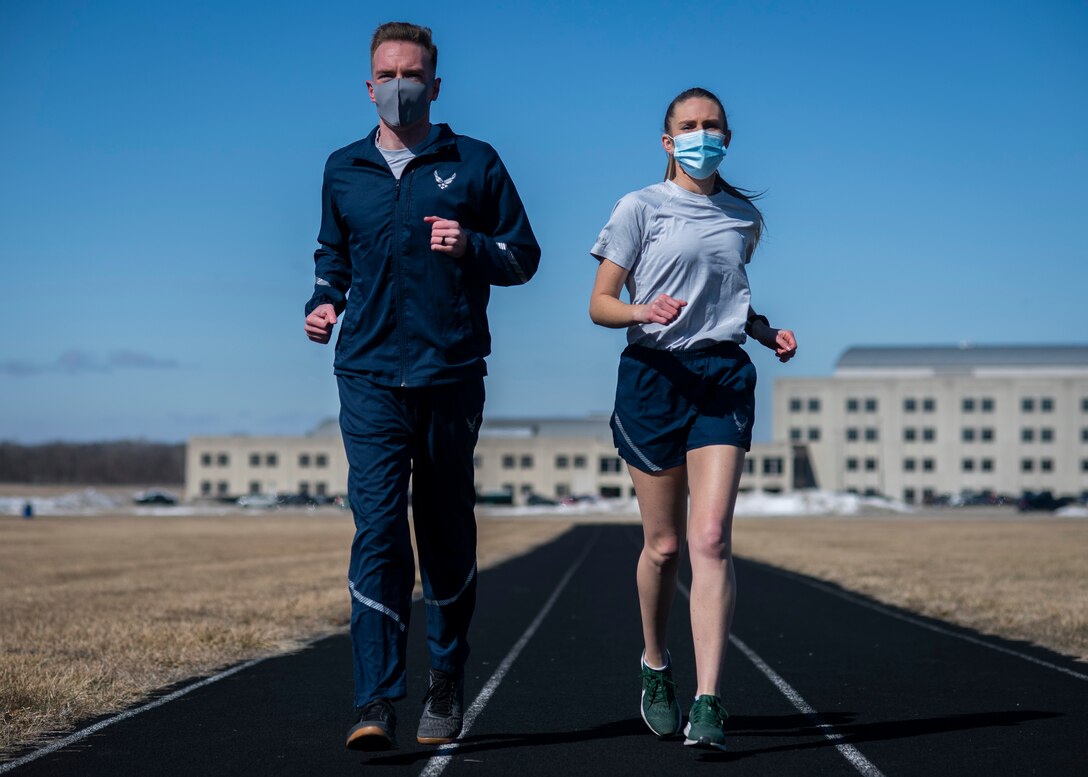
407	32
720	183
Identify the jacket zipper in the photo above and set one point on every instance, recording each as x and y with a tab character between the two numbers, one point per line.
400	284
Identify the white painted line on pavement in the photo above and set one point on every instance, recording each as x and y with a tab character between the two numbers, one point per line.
441	760
855	599
848	751
84	733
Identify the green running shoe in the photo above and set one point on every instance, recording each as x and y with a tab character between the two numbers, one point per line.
659	707
706	723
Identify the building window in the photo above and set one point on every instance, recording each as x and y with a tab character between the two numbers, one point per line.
1084	404
1046	465
205	488
968	465
1027	405
908	495
526	461
795	434
987	434
322	488
813	434
254	459
562	462
871	434
562	490
987	465
1046	434
1027	465
271	460
967	434
851	465
910	434
304	459
749	465
968	405
609	464
508	488
870	465
929	434
987	405
929	405
223	460
870	405
304	488
526	489
814	405
1046	404
795	405
928	465
1084	465
1084	434
579	462
205	460
322	460
908	465
851	434
910	405
772	465
254	487
1027	434
508	461
851	405
222	488
611	492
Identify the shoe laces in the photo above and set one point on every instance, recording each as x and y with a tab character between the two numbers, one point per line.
379	709
440	694
708	709
657	684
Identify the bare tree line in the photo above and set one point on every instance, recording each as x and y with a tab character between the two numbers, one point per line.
121	462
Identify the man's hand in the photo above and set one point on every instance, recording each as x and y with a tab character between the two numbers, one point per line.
320	322
663	310
447	237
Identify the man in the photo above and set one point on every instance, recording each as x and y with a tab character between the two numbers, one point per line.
417	223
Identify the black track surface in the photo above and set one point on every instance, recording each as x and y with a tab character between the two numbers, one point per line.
912	701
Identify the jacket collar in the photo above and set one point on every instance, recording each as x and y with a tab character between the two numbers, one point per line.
367	149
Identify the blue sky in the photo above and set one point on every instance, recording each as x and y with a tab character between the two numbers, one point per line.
925	168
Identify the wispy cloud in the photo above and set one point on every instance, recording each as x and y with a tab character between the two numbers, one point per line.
77	361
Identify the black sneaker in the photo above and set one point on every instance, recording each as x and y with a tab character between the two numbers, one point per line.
442	717
376	728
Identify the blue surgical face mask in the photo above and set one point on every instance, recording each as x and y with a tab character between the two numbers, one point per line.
699	153
402	102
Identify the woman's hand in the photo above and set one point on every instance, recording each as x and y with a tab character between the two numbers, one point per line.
781	341
663	310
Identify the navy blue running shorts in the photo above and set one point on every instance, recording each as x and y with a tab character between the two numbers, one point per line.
671	402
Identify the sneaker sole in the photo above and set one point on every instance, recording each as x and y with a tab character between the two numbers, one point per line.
370	739
702	743
437	740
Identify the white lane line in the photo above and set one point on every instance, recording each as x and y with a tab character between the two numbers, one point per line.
84	733
855	599
441	760
848	751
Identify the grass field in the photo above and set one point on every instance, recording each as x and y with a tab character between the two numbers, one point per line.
95	612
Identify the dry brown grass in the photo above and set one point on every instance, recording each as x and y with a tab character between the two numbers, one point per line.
1020	578
95	612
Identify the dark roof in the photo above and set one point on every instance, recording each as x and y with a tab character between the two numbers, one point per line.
960	357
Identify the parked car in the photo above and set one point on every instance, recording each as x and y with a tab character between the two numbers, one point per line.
258	501
155	498
538	500
1042	500
495	498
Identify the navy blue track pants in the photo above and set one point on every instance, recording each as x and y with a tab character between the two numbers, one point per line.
390	435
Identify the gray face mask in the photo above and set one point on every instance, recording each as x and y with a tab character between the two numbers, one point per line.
402	102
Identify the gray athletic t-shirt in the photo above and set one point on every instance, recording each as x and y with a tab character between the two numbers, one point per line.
398	159
691	247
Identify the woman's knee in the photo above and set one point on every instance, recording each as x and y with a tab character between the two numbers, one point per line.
710	540
663	550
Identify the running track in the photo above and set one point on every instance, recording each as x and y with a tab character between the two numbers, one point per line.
819	682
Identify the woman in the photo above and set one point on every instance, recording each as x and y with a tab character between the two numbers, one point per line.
685	398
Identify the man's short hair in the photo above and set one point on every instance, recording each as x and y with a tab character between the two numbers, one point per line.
407	32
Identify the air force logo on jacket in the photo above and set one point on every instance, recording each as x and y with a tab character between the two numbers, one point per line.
443	183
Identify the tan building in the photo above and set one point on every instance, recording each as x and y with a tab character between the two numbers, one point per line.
524	459
917	422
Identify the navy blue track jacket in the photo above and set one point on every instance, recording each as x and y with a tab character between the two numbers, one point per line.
417	317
